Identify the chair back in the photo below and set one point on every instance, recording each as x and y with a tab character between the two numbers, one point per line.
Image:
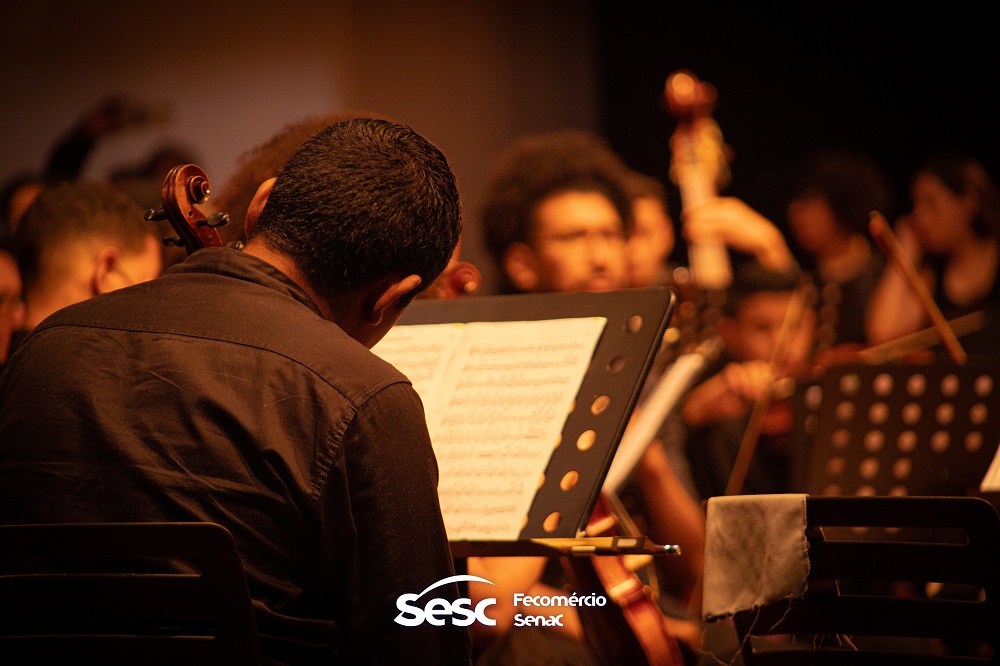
868	600
124	593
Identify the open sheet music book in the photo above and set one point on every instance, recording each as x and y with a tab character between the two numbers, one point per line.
496	396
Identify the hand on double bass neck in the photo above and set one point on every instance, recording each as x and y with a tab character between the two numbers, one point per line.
699	167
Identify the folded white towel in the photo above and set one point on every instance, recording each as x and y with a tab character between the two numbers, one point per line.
755	552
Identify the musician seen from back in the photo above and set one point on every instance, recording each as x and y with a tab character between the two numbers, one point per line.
77	240
238	388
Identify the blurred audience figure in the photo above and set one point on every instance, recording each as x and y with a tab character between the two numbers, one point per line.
831	196
80	239
11	305
952	236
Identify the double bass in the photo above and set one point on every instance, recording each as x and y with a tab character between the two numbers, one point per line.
699	167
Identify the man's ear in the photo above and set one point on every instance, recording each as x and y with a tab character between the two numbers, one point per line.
257	204
105	276
392	299
521	266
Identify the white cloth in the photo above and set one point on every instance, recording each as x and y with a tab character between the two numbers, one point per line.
755	552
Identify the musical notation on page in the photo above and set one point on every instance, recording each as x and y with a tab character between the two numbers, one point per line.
496	396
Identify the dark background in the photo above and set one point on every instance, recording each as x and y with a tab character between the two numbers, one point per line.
473	77
897	86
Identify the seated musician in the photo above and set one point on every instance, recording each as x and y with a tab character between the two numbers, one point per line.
651	237
717	410
238	389
77	240
952	237
556	219
831	197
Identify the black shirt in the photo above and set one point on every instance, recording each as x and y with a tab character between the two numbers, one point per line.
218	393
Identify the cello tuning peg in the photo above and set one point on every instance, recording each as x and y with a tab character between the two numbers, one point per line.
172	241
155	214
216	220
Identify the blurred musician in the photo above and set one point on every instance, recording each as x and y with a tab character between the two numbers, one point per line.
557	218
831	197
717	410
952	236
80	239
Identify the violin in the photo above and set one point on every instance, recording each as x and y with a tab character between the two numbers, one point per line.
775	415
640	632
699	167
184	187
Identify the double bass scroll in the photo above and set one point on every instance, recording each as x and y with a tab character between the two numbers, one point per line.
699	168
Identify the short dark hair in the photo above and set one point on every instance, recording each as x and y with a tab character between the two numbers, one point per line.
852	185
751	277
265	161
77	210
362	199
539	166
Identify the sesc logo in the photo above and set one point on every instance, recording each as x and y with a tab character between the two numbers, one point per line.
436	610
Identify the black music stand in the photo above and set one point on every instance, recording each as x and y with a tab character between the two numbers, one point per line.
636	321
907	429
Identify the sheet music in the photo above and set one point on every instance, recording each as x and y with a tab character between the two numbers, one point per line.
496	412
422	354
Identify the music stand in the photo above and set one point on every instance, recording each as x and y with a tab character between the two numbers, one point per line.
901	429
636	321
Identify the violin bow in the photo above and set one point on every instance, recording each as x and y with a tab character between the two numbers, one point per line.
889	244
904	345
748	444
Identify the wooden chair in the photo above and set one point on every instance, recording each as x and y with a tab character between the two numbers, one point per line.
127	593
852	612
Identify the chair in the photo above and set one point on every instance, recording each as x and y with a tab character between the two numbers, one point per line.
850	613
126	593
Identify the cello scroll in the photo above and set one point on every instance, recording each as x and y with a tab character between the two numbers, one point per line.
184	187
